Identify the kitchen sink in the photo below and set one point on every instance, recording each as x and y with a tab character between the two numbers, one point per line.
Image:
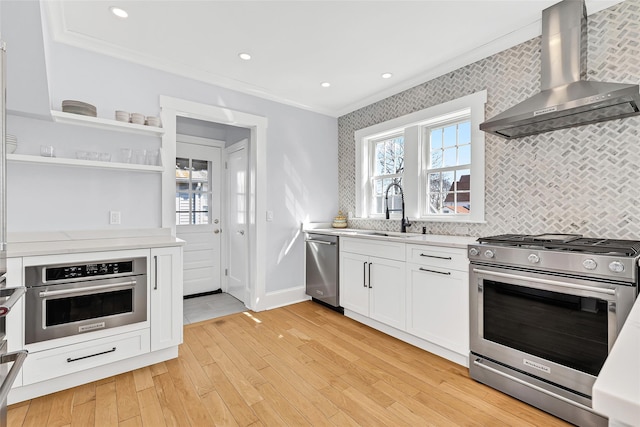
382	233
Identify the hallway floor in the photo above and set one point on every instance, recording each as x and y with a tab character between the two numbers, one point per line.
210	306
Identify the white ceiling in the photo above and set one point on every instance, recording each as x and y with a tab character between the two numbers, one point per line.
296	45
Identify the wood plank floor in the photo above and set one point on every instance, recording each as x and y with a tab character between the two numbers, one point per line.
297	365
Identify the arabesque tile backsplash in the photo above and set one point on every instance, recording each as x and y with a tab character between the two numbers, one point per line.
582	180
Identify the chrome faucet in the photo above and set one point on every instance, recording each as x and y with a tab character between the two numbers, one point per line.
405	221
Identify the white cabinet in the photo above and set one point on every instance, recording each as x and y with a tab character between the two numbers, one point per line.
165	285
415	292
371	285
438	296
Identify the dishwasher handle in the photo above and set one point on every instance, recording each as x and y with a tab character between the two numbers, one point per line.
322	242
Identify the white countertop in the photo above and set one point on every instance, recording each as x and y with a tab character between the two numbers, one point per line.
68	242
460	242
616	392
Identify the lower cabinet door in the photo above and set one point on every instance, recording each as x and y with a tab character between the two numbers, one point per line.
387	292
166	297
44	365
354	285
438	306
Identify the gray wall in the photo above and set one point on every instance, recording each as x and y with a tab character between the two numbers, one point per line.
301	159
581	180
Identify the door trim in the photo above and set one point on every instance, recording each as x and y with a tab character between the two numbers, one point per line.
172	108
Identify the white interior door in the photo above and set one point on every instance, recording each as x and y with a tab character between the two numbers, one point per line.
237	214
198	194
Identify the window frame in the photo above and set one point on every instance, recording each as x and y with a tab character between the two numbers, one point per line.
415	163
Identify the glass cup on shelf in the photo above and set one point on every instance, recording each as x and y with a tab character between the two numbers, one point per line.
125	155
152	157
140	157
47	151
104	157
92	155
81	155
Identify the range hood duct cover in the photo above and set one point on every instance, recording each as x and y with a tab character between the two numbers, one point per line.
566	98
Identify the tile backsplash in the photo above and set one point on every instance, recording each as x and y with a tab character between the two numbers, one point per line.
582	180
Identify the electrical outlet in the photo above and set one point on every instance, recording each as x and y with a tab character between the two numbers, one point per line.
462	231
269	215
114	217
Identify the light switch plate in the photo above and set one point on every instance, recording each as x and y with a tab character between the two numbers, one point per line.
269	215
114	217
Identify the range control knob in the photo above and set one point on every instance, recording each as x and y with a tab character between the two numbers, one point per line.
489	253
474	252
616	267
589	264
533	259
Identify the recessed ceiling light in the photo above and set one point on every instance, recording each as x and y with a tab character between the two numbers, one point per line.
325	84
387	75
244	56
120	13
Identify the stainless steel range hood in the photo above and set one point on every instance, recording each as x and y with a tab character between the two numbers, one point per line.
566	99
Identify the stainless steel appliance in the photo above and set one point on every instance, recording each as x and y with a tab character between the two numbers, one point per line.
322	278
70	299
544	313
8	297
566	98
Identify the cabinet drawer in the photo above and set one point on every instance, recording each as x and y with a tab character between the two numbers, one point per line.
60	361
370	247
439	257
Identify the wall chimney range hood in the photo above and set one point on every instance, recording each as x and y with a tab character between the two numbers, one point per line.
566	99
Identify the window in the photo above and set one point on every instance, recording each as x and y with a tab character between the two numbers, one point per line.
192	191
447	173
436	155
388	167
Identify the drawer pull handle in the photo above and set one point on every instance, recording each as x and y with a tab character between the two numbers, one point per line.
364	274
437	257
69	360
446	273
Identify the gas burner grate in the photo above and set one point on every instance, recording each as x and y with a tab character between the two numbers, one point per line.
567	242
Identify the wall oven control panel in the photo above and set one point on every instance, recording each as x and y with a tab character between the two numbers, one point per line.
87	270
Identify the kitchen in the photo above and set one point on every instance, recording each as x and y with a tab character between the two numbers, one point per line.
579	169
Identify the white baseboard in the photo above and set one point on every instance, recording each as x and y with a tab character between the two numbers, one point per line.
282	298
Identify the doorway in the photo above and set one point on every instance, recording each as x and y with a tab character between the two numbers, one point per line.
171	110
198	212
236	219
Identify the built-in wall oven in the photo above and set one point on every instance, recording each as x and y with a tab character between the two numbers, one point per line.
75	298
545	312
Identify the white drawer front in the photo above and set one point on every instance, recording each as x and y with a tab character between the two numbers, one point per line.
440	257
60	361
371	247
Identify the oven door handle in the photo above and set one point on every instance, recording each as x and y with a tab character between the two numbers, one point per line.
45	294
479	364
545	281
17	357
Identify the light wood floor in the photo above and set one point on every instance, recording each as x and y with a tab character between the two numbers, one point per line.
297	365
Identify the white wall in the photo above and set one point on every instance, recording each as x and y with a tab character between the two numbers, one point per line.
301	161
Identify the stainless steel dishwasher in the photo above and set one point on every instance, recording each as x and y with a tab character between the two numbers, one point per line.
322	276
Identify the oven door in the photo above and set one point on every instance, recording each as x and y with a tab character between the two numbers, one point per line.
555	328
68	309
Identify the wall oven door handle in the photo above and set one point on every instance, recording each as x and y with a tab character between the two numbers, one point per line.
14	295
17	357
545	281
45	294
478	363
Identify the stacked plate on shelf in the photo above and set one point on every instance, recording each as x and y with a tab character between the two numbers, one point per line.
78	107
12	143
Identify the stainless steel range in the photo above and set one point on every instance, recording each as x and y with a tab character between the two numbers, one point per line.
545	311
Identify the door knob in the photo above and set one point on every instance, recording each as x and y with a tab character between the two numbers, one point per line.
215	221
216	231
241	232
